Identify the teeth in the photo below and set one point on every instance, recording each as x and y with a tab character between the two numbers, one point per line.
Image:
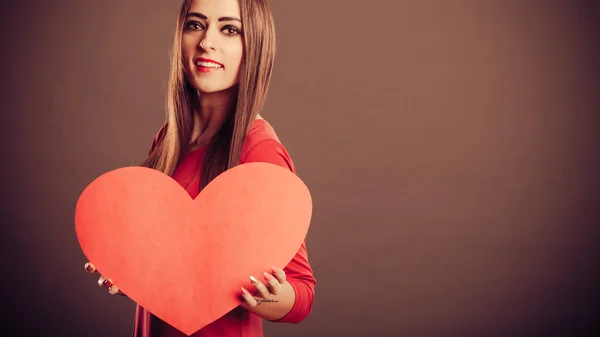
208	64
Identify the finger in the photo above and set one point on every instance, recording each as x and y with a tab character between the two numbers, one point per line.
90	268
248	298
113	289
279	274
104	282
273	284
263	291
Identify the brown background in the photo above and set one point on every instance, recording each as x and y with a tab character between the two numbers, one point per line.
450	147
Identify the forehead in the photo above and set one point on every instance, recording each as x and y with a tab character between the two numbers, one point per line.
216	8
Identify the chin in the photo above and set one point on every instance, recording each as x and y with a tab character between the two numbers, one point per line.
207	88
204	90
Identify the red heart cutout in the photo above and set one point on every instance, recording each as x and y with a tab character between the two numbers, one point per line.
185	259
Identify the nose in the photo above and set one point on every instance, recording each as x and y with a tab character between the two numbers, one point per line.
207	40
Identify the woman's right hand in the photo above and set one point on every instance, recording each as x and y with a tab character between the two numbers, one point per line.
102	281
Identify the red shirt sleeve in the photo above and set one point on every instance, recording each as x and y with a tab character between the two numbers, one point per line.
298	272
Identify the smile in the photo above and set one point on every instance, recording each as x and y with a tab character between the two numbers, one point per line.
206	65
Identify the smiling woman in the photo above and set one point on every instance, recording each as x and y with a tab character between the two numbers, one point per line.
222	59
220	64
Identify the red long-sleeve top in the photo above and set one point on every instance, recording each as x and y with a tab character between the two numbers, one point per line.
261	145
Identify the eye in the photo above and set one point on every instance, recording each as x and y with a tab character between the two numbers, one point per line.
193	25
230	30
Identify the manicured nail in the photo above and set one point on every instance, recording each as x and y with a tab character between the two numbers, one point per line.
275	269
244	291
89	268
253	280
101	281
107	283
242	298
268	276
113	289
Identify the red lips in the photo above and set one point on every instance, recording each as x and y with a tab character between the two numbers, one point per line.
202	59
203	69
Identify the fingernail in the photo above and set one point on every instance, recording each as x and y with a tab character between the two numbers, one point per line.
101	281
244	291
107	283
89	268
268	276
253	280
113	289
275	269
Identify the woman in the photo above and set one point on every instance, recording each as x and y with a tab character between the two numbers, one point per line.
221	65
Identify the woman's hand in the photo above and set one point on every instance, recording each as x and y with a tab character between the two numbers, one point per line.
268	292
102	281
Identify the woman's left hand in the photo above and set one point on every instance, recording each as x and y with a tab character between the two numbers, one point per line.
268	290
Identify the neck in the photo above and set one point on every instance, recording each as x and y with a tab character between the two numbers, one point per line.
213	111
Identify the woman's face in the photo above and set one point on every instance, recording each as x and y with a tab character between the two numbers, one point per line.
212	45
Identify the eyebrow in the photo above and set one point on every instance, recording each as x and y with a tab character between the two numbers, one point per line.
224	18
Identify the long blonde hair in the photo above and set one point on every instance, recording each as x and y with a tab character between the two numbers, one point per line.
224	152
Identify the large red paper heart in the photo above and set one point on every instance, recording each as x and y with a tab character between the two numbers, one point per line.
185	259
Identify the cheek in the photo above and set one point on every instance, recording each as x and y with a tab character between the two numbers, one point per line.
187	48
235	57
239	51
